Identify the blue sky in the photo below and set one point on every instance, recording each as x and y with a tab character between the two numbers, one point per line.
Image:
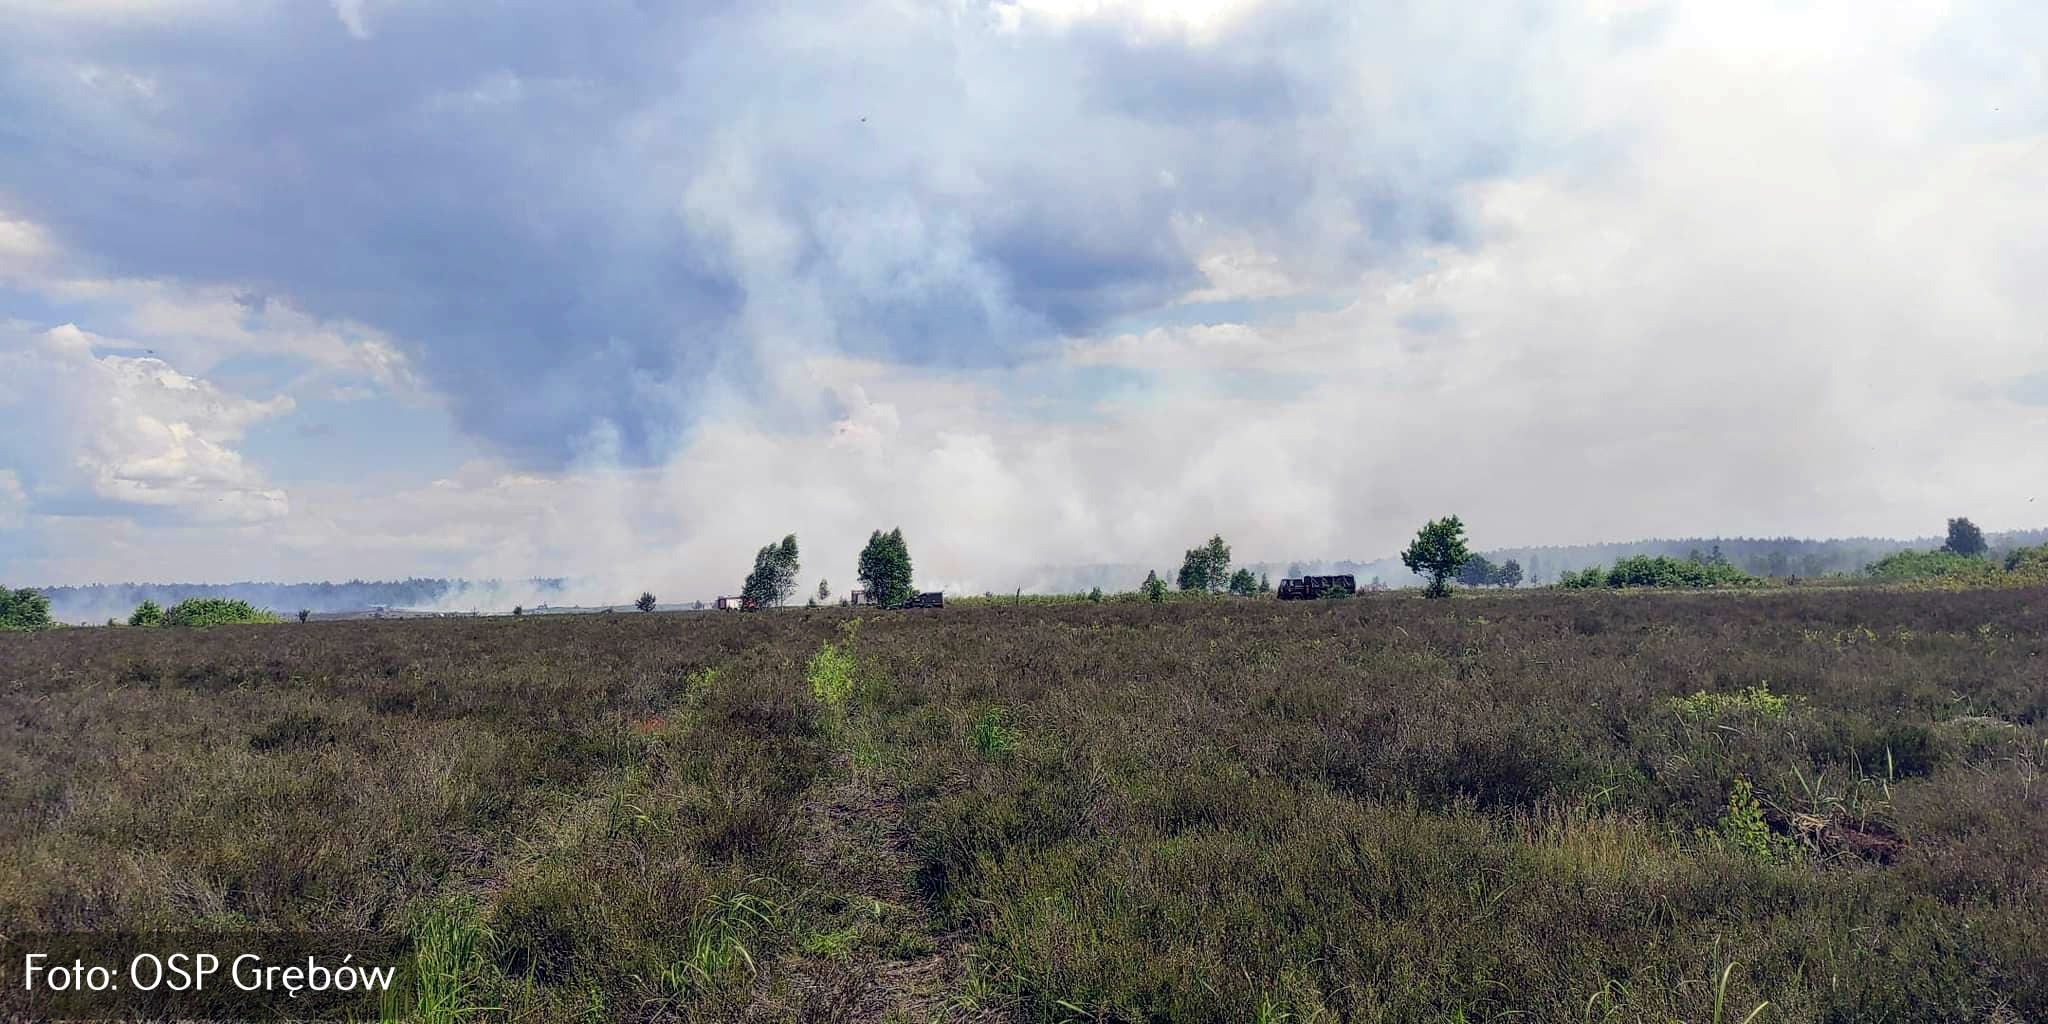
393	287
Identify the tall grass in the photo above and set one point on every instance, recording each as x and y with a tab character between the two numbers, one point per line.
447	969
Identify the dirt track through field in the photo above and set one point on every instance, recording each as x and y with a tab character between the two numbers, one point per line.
899	967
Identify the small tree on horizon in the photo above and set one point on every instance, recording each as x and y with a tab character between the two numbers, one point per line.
824	591
646	601
1243	583
1438	552
1509	574
774	577
1477	571
1206	568
1153	588
786	566
884	569
148	613
1964	538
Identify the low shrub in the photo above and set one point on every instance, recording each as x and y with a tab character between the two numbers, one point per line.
1658	571
214	611
990	737
1758	700
1907	565
1744	830
831	675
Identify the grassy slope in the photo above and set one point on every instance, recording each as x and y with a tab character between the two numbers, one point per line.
1382	809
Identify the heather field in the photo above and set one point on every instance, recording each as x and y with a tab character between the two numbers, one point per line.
1788	805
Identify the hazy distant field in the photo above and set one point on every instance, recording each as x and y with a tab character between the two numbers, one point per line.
1377	809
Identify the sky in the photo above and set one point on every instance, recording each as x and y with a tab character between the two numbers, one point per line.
623	290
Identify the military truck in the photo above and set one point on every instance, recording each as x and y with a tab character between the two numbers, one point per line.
1309	588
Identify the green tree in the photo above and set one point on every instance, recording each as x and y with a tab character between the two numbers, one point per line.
1965	539
1243	583
1476	572
1095	595
1154	588
148	613
773	580
1206	568
1438	552
1584	579
305	613
646	601
1265	585
824	591
759	588
885	568
1509	575
786	566
24	609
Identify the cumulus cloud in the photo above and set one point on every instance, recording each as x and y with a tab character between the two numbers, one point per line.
22	247
126	431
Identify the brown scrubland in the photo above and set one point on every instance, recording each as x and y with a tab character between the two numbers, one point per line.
1530	806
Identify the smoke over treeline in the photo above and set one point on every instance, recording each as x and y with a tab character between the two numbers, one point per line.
100	601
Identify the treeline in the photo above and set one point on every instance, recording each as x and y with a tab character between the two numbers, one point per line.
1772	557
1776	557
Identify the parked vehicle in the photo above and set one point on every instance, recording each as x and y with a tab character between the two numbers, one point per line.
1309	588
930	599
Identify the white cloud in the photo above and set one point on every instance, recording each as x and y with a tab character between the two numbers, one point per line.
1201	20
135	431
198	326
351	14
23	247
208	324
13	500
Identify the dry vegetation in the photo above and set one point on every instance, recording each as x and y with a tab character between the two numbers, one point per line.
1228	810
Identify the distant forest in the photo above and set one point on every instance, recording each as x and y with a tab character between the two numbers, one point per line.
1760	556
